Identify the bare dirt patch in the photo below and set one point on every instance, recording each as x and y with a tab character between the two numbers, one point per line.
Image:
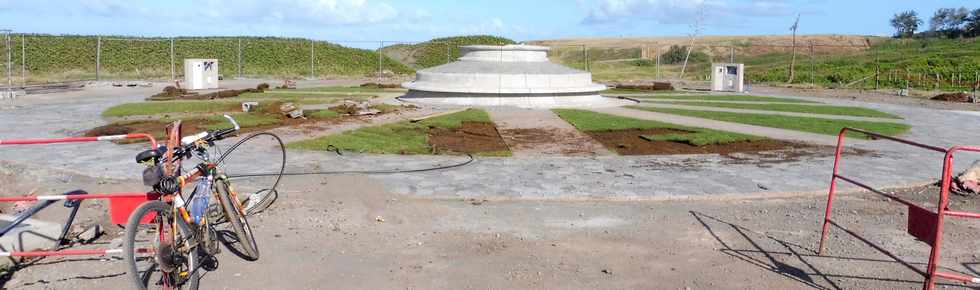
470	137
628	142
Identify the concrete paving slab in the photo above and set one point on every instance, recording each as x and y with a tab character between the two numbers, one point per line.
31	234
542	133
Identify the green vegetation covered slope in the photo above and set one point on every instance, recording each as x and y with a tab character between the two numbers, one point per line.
67	57
438	51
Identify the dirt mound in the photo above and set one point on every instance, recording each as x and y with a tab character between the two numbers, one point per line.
470	137
173	93
628	142
954	97
380	86
651	86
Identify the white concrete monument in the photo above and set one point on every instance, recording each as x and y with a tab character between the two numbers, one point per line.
510	75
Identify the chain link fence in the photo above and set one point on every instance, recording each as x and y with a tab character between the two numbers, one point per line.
38	59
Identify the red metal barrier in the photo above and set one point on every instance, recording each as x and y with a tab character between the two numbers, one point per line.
923	223
153	141
115	211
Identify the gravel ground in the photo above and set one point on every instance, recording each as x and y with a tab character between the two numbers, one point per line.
542	222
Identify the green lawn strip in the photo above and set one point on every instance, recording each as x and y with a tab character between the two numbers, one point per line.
588	121
397	138
743	98
812	125
623	91
322	114
222	105
245	120
811	109
164	107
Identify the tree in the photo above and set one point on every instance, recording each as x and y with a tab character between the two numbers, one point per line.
949	21
973	24
906	23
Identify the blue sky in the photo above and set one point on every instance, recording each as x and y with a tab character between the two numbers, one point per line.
415	20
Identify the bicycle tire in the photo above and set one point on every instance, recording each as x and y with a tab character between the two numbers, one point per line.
266	191
163	212
236	217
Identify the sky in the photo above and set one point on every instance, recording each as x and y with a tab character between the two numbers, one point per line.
370	21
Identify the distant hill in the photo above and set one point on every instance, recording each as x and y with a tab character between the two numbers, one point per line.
72	57
838	60
438	51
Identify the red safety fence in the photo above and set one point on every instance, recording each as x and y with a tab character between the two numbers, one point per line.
924	224
121	205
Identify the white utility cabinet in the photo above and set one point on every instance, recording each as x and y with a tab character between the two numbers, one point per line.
728	77
200	74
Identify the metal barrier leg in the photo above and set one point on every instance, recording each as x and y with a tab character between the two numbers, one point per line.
934	255
833	189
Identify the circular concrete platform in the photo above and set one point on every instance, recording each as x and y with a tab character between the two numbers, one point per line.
510	75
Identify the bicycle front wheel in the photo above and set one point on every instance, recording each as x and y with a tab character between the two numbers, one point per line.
256	163
235	216
158	253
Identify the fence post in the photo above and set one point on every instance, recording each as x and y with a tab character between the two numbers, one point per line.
239	58
381	45
658	62
98	58
173	64
813	71
10	64
312	69
588	68
23	61
733	55
449	52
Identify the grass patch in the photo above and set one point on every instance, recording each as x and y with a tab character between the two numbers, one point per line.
225	105
154	108
825	110
245	120
739	98
398	138
812	125
588	121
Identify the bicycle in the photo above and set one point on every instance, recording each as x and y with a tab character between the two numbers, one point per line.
177	237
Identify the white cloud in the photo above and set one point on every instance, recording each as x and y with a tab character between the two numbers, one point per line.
731	12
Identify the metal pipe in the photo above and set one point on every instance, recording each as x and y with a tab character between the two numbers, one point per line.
312	69
832	190
23	60
153	141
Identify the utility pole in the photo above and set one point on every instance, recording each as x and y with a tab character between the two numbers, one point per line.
694	35
792	64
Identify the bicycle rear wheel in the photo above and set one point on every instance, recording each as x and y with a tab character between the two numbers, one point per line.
235	216
256	164
157	256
